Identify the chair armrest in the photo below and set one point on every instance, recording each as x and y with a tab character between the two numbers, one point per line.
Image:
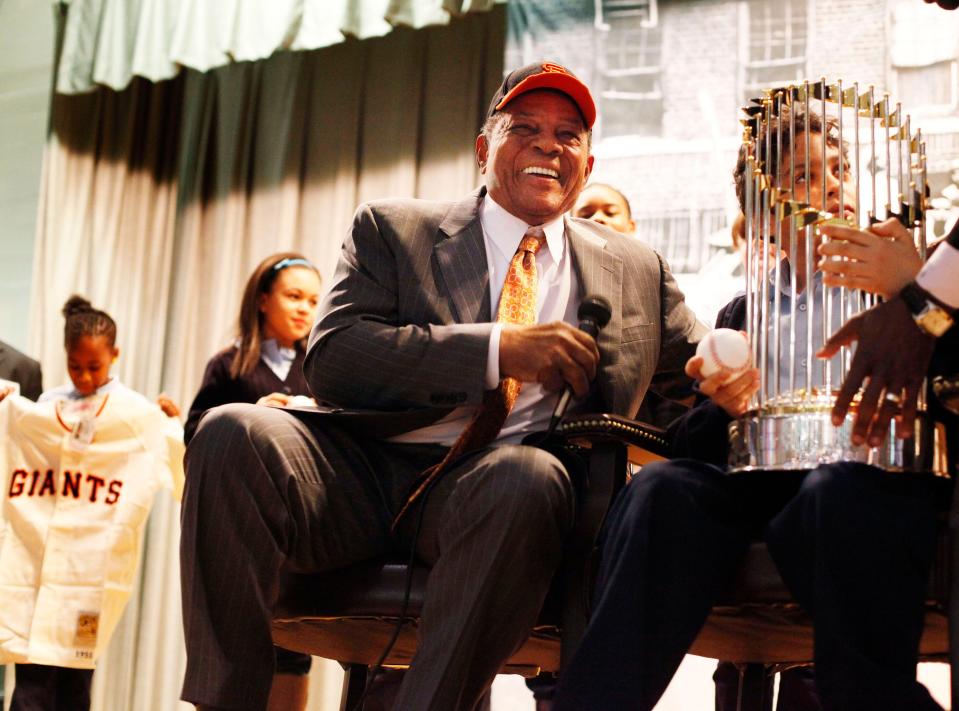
645	443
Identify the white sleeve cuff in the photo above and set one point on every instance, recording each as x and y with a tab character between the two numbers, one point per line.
492	358
938	275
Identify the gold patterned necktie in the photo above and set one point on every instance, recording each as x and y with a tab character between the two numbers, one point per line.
517	305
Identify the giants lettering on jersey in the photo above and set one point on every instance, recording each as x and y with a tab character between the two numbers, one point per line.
75	484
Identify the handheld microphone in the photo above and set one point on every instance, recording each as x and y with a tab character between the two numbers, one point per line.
593	314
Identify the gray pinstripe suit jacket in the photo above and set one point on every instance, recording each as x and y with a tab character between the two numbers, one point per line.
406	323
21	369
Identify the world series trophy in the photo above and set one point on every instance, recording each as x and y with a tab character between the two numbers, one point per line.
861	154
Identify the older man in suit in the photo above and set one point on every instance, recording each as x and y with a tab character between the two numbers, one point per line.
21	369
439	313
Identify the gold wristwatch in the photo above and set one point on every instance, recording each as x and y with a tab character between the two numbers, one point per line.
932	317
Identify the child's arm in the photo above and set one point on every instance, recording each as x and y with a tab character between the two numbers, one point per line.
166	404
881	260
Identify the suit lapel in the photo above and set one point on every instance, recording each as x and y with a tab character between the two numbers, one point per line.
601	273
461	256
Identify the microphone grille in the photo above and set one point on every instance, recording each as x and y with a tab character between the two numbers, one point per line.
594	308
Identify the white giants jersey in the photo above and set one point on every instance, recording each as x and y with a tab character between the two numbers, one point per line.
78	480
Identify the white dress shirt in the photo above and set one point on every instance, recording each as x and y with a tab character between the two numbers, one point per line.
557	299
940	275
277	358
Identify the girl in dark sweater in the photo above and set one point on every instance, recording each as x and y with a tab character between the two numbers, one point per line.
265	366
265	363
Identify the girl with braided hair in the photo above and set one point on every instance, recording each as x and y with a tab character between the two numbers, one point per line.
89	337
78	470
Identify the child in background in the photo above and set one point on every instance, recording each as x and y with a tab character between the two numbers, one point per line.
669	396
265	366
265	363
90	341
79	468
606	205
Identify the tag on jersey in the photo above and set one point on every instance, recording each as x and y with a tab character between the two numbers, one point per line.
84	415
88	624
82	433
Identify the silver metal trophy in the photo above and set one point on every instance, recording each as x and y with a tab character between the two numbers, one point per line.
814	154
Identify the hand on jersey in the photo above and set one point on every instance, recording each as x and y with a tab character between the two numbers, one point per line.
166	404
880	260
731	395
550	353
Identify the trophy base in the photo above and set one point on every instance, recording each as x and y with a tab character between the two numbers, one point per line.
798	441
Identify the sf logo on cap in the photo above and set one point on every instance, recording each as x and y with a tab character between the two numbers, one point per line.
554	68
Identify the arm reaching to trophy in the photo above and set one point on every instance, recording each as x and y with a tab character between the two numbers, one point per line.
910	322
893	354
896	340
880	260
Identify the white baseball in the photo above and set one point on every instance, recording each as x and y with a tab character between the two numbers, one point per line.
724	351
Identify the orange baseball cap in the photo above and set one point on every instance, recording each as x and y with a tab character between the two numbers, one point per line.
546	75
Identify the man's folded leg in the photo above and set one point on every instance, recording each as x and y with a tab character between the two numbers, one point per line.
669	547
493	528
265	490
855	547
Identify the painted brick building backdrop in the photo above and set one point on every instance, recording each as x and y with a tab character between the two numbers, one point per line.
671	76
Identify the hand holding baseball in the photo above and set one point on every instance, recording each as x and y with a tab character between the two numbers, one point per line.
724	352
722	365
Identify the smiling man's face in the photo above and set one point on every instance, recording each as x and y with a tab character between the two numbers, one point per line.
536	159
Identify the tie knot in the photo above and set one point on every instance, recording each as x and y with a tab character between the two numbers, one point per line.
533	240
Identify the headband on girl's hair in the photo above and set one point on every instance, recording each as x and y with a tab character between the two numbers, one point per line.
284	263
